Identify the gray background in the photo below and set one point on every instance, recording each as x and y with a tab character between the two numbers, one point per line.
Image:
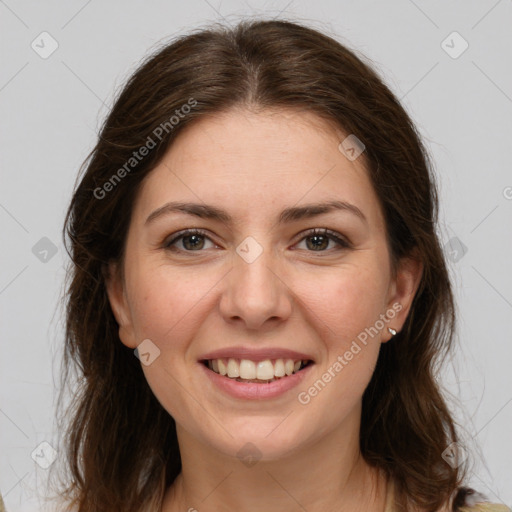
51	109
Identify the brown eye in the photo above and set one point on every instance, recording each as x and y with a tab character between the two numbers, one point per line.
318	240
192	240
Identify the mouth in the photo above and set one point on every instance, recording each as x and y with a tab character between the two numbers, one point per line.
259	372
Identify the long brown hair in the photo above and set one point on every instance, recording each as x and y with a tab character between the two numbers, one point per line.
121	445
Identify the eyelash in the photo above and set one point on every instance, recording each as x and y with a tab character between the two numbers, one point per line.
331	235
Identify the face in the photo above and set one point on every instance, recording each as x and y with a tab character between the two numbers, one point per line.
263	280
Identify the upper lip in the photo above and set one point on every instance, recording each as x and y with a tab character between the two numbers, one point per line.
252	354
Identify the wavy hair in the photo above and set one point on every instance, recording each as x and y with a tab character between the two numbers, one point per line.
121	446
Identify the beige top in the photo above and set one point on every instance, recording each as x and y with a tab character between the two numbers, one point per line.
479	507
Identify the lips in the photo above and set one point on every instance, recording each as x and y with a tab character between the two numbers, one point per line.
255	389
255	365
245	370
256	355
256	373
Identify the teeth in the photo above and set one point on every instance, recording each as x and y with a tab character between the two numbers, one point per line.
233	368
246	369
279	368
264	370
222	367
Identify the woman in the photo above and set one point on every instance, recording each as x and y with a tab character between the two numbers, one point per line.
257	226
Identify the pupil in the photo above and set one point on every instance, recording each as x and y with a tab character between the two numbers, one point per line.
194	244
319	238
318	241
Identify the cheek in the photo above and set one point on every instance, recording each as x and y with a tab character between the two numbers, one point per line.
169	310
167	301
345	300
346	307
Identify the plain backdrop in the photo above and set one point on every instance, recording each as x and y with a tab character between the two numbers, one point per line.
62	63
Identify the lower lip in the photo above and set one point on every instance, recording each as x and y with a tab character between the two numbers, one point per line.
253	390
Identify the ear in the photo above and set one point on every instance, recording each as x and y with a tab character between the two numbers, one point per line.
114	283
402	291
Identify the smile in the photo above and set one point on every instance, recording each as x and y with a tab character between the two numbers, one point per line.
265	371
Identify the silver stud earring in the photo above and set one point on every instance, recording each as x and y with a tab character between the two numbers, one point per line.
392	331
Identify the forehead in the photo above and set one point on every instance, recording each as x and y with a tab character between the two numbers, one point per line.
252	163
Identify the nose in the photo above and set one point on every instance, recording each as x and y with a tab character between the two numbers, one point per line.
255	294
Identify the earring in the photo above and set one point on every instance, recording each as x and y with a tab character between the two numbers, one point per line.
392	331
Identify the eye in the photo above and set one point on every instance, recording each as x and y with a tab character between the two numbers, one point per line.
320	239
191	240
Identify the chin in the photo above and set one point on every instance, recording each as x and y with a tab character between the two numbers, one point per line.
261	441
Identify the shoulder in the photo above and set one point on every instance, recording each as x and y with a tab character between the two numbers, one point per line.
485	507
465	500
468	500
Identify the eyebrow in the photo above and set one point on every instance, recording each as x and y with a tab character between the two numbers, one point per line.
288	215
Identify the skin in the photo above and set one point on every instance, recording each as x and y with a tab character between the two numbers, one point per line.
253	165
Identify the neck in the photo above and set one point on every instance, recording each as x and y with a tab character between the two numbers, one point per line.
315	478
